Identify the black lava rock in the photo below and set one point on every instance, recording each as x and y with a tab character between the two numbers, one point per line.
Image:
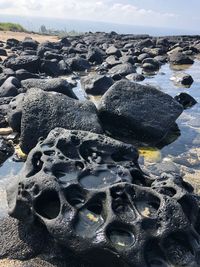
178	58
43	111
3	52
10	87
29	63
185	100
88	192
24	74
143	112
6	150
121	70
55	85
95	84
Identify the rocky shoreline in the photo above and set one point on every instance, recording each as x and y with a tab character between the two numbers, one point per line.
81	198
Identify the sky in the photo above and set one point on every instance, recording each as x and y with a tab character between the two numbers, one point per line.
178	14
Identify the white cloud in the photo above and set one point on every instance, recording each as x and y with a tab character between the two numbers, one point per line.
107	11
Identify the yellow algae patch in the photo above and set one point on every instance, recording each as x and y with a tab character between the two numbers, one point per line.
146	212
20	153
121	244
6	131
150	154
92	218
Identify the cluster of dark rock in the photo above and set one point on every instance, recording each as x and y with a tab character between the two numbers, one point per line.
81	196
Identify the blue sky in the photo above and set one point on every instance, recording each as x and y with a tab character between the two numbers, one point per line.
161	13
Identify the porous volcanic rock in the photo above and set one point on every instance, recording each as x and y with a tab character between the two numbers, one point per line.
88	192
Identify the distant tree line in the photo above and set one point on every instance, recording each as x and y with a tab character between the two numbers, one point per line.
61	33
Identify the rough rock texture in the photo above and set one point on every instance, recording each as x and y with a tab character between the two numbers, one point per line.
14	113
10	87
142	111
121	70
6	150
88	192
185	100
29	63
43	111
78	64
56	85
179	58
22	74
96	84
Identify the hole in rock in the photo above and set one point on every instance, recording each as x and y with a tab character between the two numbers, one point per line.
92	152
68	149
102	177
75	140
168	191
88	222
65	172
97	179
147	204
47	204
74	196
47	146
95	205
120	237
138	177
49	152
121	204
37	164
189	207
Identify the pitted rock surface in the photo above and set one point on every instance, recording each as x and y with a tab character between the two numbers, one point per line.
89	192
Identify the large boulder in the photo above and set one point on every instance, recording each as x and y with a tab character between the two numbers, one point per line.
78	63
56	85
95	55
22	74
121	70
6	73
3	52
91	197
29	63
136	110
150	65
112	50
179	58
54	67
10	87
43	111
29	43
96	84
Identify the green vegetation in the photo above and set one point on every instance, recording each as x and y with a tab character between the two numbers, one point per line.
7	26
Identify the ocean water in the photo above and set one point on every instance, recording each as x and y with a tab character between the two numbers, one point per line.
34	24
